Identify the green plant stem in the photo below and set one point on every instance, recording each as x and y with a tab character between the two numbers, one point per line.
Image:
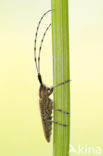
60	45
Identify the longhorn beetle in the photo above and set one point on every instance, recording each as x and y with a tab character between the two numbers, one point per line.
46	104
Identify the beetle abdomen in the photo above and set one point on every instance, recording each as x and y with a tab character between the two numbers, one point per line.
46	111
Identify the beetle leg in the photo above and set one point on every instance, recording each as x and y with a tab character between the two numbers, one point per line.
60	110
55	122
50	90
59	84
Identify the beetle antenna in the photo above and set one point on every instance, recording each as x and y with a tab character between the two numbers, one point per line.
36	37
41	46
40	78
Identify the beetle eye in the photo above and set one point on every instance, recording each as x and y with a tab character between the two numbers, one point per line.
48	90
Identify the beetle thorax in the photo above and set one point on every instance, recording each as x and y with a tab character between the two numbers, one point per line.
43	92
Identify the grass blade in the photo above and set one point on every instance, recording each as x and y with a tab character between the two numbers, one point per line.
60	45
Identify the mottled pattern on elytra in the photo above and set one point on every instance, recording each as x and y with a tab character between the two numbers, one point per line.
46	111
